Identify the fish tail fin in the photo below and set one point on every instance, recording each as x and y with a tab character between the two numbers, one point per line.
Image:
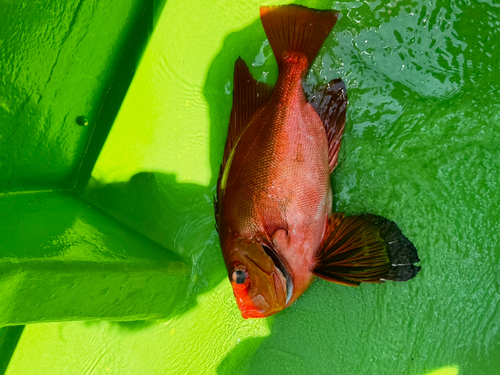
295	28
365	248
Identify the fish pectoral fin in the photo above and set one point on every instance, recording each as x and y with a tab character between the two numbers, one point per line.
248	96
330	103
366	248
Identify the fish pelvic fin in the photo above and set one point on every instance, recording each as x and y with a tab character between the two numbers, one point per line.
248	96
330	102
295	28
366	248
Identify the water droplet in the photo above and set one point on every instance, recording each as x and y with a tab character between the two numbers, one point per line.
82	121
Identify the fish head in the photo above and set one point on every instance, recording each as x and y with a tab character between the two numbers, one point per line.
261	284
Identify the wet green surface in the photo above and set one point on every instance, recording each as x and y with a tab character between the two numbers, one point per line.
9	338
62	260
421	147
58	60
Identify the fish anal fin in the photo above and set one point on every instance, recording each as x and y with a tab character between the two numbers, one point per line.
330	103
365	248
248	96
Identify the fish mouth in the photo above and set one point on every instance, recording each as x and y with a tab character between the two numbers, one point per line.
280	266
251	313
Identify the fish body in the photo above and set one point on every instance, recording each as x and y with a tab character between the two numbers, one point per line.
274	196
278	187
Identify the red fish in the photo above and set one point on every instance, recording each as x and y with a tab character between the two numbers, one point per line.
274	198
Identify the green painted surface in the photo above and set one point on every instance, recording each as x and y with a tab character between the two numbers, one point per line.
421	147
9	338
61	260
57	62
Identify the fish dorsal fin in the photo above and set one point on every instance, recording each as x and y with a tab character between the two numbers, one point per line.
330	102
248	96
366	248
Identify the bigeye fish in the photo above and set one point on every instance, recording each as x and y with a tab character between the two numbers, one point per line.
273	207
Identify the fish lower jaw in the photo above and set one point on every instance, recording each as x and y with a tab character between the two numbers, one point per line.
254	313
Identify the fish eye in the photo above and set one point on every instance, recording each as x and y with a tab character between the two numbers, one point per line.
239	276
